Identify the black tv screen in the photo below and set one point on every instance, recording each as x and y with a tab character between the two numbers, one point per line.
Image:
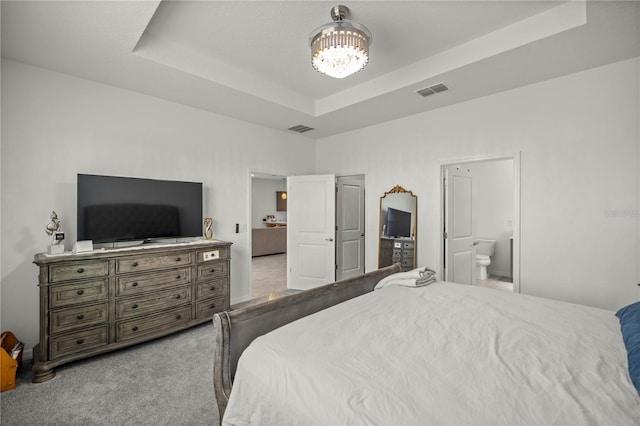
398	223
113	209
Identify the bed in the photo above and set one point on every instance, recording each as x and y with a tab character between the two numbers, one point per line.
442	353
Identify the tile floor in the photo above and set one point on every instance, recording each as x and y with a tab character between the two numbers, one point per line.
268	275
498	283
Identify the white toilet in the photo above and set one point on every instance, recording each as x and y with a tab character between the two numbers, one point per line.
484	250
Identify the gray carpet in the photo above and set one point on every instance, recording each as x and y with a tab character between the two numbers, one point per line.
168	381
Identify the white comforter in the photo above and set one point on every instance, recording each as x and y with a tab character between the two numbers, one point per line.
440	354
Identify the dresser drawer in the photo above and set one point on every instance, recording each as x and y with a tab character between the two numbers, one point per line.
207	308
153	262
156	302
213	288
82	316
407	253
78	270
212	254
213	270
79	341
133	329
401	244
407	262
140	283
83	292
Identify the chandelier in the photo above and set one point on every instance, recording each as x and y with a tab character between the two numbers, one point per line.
340	48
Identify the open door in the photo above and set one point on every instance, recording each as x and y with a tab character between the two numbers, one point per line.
310	231
459	243
350	229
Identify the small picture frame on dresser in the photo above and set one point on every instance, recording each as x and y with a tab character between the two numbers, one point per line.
83	246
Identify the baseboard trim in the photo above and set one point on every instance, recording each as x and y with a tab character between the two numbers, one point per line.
499	273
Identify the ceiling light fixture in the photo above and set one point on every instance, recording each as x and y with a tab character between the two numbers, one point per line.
340	48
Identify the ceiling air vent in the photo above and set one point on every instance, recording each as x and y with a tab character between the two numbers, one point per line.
432	90
300	128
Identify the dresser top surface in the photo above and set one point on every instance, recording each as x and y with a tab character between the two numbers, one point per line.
45	258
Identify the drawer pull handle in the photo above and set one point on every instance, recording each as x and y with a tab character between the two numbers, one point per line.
79	341
80	270
212	270
178	259
80	316
178	296
178	316
80	292
134	306
212	306
134	284
134	264
134	328
212	288
178	277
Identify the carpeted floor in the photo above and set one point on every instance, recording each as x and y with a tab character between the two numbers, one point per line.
168	381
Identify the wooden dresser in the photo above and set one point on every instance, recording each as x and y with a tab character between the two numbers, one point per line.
104	300
397	250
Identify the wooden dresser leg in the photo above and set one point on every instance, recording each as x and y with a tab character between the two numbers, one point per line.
41	375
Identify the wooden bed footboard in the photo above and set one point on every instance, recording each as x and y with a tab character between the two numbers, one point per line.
235	330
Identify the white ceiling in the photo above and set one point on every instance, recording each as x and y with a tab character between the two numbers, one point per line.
250	59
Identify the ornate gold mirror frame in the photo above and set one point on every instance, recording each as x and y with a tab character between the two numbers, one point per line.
403	221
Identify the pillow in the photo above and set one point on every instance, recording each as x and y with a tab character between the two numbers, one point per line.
630	325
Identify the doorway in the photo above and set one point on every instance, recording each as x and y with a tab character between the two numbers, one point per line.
268	270
480	217
267	234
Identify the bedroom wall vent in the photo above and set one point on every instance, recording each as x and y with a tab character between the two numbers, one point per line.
300	128
432	90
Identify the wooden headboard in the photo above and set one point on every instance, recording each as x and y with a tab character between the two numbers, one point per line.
235	330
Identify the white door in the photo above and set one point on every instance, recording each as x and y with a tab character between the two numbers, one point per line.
460	258
311	228
350	228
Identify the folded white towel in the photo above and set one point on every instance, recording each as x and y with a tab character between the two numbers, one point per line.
427	276
415	278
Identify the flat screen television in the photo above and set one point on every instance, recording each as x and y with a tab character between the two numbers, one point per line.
398	223
115	209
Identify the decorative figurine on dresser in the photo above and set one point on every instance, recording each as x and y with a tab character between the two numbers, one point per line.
107	299
53	229
208	228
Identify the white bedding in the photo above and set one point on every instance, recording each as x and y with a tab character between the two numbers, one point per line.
440	354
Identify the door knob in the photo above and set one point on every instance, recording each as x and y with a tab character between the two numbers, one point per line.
329	239
475	243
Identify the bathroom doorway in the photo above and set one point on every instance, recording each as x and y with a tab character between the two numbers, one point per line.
480	217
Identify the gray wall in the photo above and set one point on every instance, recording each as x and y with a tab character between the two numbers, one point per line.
579	176
263	200
579	148
55	126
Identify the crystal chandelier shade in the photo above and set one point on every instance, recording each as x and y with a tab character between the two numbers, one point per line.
340	48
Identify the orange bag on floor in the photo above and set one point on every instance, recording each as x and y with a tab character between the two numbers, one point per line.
10	359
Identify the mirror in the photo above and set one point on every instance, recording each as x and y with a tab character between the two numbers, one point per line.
398	228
